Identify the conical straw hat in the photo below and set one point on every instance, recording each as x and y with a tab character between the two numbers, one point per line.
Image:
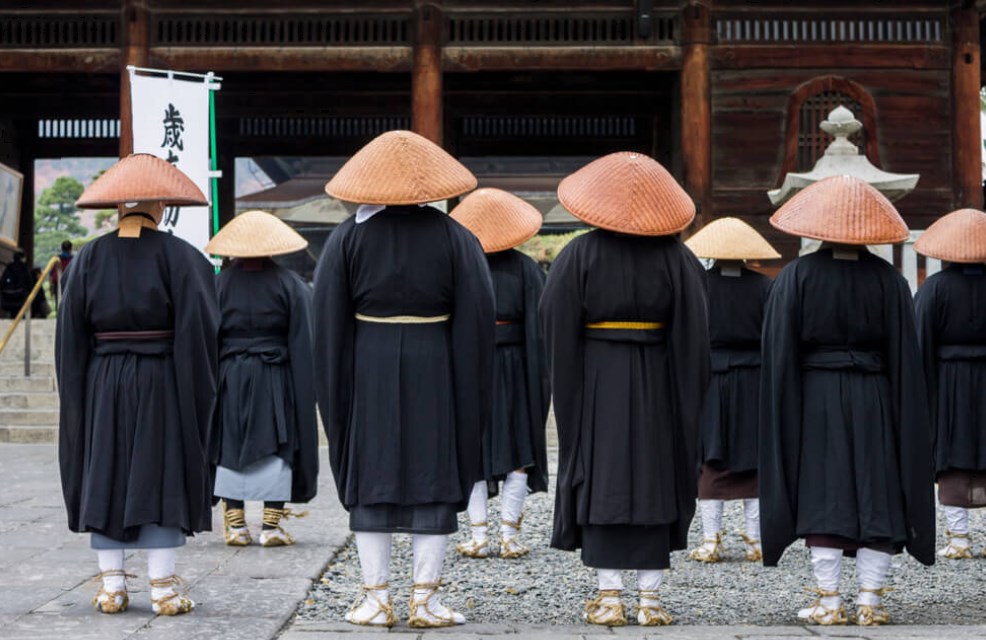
841	209
499	219
731	239
400	167
958	237
629	193
141	177
254	234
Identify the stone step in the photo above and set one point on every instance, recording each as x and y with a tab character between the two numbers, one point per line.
29	400
38	354
25	434
20	384
11	369
28	417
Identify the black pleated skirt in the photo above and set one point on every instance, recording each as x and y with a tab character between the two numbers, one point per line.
436	518
626	546
509	444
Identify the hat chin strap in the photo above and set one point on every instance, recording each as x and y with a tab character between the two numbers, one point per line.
153	208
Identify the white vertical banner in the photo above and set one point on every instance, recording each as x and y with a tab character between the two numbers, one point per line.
171	121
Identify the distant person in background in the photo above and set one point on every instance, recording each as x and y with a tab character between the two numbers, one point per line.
15	284
64	257
39	307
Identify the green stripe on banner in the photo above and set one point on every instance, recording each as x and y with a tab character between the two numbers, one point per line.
213	163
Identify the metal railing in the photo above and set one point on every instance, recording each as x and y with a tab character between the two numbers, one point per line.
25	314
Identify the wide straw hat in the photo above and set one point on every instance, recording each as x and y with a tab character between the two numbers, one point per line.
141	177
499	219
841	209
731	239
254	234
629	193
400	167
958	237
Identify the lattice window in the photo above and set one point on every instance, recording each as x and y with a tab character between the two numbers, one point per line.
85	128
530	28
280	30
809	105
327	126
812	141
26	31
848	28
549	126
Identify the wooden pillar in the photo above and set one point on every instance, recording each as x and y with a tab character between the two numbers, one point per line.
227	184
27	135
966	135
135	31
426	72
696	107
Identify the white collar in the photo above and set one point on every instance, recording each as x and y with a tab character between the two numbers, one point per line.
366	211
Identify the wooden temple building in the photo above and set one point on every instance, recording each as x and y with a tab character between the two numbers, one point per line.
726	93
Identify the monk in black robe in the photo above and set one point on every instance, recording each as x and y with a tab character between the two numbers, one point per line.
266	444
624	315
951	322
845	438
514	448
403	364
727	445
136	361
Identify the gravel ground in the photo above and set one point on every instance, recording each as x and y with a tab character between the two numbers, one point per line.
551	587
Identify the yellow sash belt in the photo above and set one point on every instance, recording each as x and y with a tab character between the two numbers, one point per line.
619	324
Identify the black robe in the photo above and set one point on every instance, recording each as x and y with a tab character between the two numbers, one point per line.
729	419
845	437
951	322
521	389
135	415
266	403
404	405
626	401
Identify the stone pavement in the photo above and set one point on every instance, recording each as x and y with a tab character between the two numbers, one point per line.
46	571
46	581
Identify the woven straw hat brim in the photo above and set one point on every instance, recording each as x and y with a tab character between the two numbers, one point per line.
957	237
141	177
400	167
731	239
841	209
499	219
255	234
629	193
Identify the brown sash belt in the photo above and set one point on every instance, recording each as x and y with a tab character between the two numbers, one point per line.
135	335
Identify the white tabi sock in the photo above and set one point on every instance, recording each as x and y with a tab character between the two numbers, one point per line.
751	513
161	564
957	521
429	555
512	502
711	511
610	580
112	560
871	573
374	561
826	564
649	580
477	511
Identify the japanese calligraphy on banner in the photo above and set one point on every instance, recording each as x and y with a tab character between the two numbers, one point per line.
171	120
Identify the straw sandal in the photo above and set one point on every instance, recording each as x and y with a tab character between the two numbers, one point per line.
610	614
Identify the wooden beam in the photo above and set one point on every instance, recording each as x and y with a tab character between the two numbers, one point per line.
821	56
53	60
966	135
27	133
426	72
616	58
337	59
696	107
136	23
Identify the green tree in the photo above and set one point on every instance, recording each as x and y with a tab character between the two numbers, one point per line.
56	218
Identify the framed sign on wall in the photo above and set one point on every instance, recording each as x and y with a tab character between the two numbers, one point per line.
11	188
